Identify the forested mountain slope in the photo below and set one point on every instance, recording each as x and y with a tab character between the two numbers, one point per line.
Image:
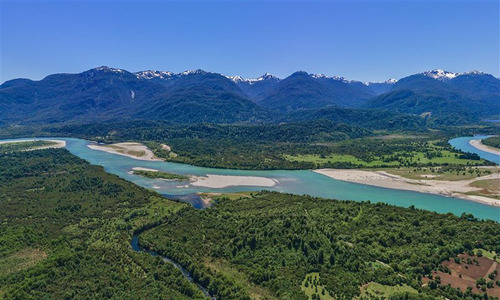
108	94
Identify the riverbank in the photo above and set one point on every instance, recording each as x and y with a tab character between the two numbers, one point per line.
478	145
57	144
383	179
132	150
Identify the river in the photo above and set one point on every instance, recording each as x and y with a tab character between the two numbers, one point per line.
463	143
295	182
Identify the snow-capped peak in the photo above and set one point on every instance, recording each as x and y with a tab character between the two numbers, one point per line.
475	72
338	78
108	69
190	72
388	81
238	79
150	74
440	74
235	78
445	75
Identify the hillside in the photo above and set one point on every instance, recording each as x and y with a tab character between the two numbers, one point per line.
302	91
460	99
106	94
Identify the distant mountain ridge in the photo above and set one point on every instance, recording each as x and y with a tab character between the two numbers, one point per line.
110	94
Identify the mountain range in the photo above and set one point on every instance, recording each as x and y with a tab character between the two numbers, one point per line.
110	94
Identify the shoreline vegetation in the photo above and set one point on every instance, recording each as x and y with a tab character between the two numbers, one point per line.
157	174
457	188
29	145
478	144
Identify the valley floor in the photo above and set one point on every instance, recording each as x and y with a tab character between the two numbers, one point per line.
458	188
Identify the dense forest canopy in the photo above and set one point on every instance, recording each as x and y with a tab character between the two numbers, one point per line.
66	228
275	240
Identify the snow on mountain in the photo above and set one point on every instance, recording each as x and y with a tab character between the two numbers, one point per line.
445	75
388	81
191	72
440	74
108	69
338	78
150	74
475	72
238	79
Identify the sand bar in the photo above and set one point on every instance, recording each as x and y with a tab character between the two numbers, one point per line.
132	150
439	187
144	169
222	181
58	144
478	145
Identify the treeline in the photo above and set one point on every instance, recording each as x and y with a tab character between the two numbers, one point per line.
66	228
265	146
493	141
23	146
274	240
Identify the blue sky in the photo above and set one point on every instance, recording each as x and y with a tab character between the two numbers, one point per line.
363	40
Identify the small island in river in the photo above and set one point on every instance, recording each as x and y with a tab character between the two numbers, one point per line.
155	174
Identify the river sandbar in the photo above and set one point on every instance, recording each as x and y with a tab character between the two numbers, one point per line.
223	181
129	149
478	145
440	187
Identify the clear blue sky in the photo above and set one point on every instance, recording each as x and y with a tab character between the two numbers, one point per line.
363	40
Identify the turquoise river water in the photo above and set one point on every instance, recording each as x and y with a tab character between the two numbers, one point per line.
296	182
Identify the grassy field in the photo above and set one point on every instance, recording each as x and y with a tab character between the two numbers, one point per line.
375	290
336	158
395	159
226	269
386	152
313	289
21	260
489	188
160	175
488	254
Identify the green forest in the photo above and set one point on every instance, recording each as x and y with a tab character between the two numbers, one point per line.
493	141
23	146
267	244
66	228
302	145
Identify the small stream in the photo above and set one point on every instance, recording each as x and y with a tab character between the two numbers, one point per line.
136	247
